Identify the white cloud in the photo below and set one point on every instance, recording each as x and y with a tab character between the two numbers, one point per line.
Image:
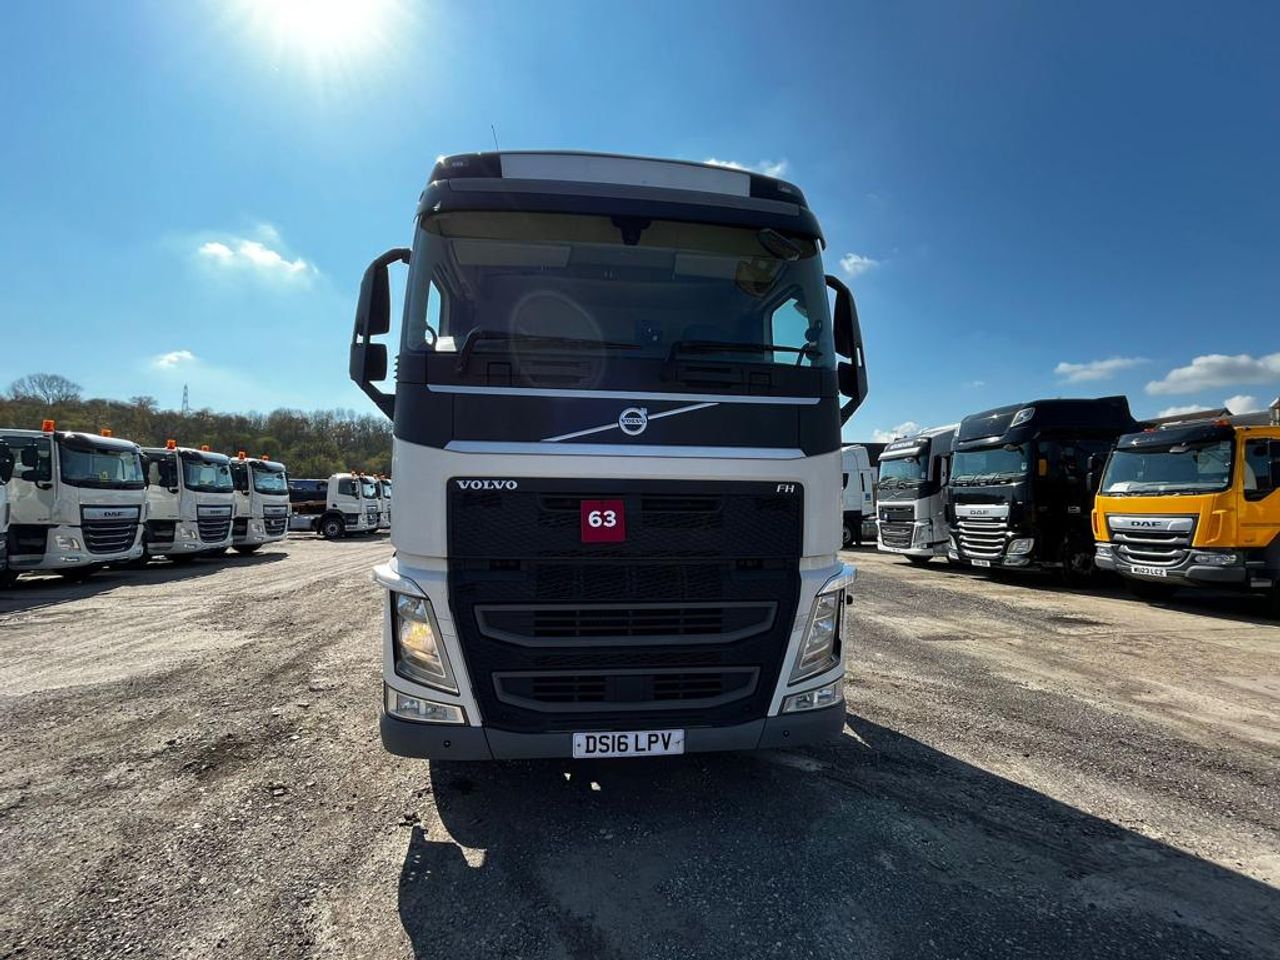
976	383
1095	369
855	264
1217	370
770	168
1242	403
241	253
908	428
172	359
1180	411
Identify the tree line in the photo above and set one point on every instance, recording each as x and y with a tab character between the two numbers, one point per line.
310	444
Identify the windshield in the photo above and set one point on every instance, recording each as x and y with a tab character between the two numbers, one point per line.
206	476
368	490
386	490
1183	468
648	288
992	465
270	481
104	467
901	471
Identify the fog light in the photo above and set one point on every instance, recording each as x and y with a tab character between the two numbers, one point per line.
187	533
67	543
1213	559
1103	551
419	655
824	696
405	707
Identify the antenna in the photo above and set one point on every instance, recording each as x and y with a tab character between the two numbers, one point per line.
494	131
186	402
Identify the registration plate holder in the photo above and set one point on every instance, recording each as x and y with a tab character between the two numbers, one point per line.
628	743
1150	571
981	563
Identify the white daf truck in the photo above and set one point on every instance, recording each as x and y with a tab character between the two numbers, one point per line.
910	501
192	502
617	417
262	502
384	503
345	503
76	501
6	471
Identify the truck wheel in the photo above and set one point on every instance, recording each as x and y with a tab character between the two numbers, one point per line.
252	548
1272	608
1151	592
846	536
1078	568
332	528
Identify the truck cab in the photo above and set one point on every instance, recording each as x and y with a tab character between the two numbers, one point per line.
6	472
1193	505
1019	496
76	501
857	494
384	503
345	503
192	502
262	502
910	501
617	412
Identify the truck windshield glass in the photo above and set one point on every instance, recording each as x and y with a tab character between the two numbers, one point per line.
368	490
206	476
1181	468
901	471
992	465
103	467
270	481
619	284
386	489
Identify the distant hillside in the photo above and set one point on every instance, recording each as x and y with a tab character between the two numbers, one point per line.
310	444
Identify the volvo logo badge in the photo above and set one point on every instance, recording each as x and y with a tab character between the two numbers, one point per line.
488	484
633	420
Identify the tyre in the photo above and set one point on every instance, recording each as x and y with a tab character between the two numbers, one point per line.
919	561
1151	592
1078	568
246	550
332	528
846	537
1272	607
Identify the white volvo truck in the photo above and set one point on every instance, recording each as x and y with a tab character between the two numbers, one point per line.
910	500
6	471
857	495
76	501
617	417
192	501
262	502
345	503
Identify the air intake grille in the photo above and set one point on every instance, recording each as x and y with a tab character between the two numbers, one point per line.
214	529
1152	548
983	538
896	535
109	536
274	525
632	690
574	624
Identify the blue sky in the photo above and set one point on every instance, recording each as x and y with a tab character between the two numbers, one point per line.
1030	199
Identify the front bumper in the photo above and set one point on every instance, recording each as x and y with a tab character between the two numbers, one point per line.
1188	573
57	558
254	538
460	742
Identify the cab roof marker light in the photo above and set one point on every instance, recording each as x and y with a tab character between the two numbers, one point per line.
239	454
204	448
105	431
48	426
171	444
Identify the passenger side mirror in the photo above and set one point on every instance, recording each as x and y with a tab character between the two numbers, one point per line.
1094	477
847	333
28	458
6	467
368	363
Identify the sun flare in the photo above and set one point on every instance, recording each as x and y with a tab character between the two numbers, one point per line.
321	30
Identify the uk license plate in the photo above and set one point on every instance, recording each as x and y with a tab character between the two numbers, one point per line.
1150	571
628	743
981	563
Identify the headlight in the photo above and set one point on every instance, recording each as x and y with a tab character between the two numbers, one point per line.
921	537
187	533
820	650
67	543
824	696
405	707
1213	559
1103	549
1020	548
419	655
255	526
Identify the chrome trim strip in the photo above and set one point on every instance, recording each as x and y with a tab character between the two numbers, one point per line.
539	449
614	425
621	396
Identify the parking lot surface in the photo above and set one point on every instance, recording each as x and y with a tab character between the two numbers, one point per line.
191	767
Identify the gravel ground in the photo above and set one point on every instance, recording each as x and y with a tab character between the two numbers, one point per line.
191	767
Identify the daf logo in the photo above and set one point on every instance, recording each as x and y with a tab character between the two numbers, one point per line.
978	512
487	484
115	514
633	420
1144	523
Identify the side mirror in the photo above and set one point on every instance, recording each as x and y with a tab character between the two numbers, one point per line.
6	468
368	363
30	476
847	333
27	457
1094	477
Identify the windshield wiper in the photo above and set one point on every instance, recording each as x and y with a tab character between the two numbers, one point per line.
725	346
572	343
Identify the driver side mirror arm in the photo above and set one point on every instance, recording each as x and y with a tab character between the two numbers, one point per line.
368	363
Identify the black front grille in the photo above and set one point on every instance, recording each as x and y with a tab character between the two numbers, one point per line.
687	619
109	536
274	526
896	535
636	689
214	529
898	513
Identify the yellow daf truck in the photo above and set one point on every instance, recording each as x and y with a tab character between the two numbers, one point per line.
1193	504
